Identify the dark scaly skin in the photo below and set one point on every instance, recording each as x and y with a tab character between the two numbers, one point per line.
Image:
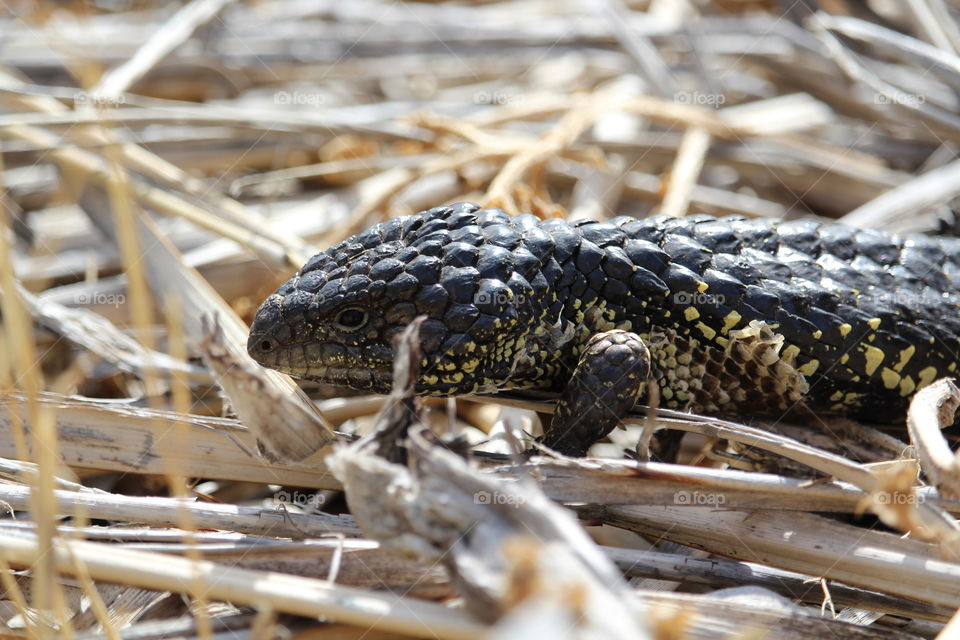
728	316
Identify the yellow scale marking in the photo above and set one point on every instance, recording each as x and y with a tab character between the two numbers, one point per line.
852	398
810	368
790	353
708	332
730	321
926	376
890	378
907	386
873	356
905	356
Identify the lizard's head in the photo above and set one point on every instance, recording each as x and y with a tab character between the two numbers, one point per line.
466	270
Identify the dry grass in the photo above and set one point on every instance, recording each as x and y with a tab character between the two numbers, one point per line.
166	165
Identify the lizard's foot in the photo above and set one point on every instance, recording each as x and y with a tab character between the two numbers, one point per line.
608	381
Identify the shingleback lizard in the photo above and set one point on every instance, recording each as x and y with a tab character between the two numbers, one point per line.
729	316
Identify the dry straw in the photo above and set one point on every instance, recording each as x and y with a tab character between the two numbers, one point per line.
165	166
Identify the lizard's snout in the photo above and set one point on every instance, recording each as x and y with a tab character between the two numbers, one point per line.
262	345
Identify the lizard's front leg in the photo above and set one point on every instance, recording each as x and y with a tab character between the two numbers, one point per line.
607	382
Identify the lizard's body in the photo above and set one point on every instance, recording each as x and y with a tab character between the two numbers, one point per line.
729	316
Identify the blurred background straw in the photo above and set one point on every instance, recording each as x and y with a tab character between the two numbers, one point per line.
165	165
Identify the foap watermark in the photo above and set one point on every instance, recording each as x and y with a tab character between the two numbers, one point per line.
83	98
897	498
909	299
500	298
499	98
899	98
87	298
498	498
689	298
302	499
700	98
299	98
699	498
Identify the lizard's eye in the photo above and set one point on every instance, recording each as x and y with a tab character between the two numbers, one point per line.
351	319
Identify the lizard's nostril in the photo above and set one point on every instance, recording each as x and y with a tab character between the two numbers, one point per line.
267	345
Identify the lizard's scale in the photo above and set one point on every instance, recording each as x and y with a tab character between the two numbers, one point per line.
849	321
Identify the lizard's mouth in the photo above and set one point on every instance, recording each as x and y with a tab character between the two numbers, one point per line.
370	373
371	379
